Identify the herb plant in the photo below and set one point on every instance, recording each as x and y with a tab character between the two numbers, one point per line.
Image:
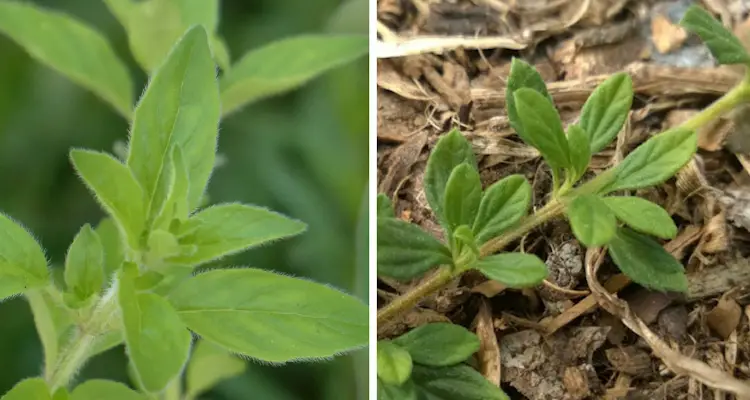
477	223
132	279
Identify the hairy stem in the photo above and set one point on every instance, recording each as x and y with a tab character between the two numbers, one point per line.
409	300
738	95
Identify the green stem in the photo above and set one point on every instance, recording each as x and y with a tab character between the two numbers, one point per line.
738	95
409	300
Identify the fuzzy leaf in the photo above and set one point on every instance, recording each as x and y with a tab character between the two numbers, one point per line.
606	110
463	236
593	223
580	155
463	192
209	365
114	252
176	205
522	75
439	344
271	317
28	389
503	204
84	264
643	216
454	382
405	250
22	263
724	46
542	127
52	322
406	391
97	389
394	363
384	207
515	270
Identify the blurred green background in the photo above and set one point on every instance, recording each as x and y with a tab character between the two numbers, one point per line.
303	154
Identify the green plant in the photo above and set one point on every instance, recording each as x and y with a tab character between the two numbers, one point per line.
130	280
478	224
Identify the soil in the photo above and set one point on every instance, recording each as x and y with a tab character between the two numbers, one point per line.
444	65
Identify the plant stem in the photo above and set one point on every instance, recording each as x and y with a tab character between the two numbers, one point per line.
738	95
409	300
546	213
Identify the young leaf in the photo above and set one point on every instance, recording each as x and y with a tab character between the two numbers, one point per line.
405	250
542	127
606	110
463	192
230	228
502	205
593	223
522	75
646	262
180	107
655	161
209	365
176	205
72	48
580	155
114	252
283	65
84	270
454	382
450	151
115	188
22	263
406	391
643	215
156	340
269	316
465	237
27	389
515	270
385	208
724	46
97	389
439	344
394	363
52	321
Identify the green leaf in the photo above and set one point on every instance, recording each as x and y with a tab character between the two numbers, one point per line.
385	208
271	317
106	342
542	127
61	394
176	205
28	389
522	75
114	251
580	155
180	107
394	363
515	270
286	64
503	204
455	382
655	161
115	188
450	151
606	110
593	223
84	264
387	391
465	237
724	46
72	48
463	192
643	215
209	365
97	389
405	250
230	228
52	322
439	344
156	340
646	262
22	263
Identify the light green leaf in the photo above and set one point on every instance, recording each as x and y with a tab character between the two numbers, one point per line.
503	204
176	206
580	155
61	394
522	75
606	110
180	107
394	363
72	48
230	228
84	264
724	46
286	64
162	244
269	316
450	151
209	365
646	262
643	215
115	188
542	127
22	263
454	382
405	250
463	192
439	344
98	389
385	208
114	251
515	270
157	342
655	161
593	223
106	342
52	322
29	389
386	391
463	236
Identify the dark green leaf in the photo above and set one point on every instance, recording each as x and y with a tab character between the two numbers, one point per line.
22	263
643	215
606	110
454	382
503	204
593	223
394	363
516	270
580	155
724	46
385	208
405	250
84	264
28	389
386	391
542	127
646	262
463	192
439	344
522	75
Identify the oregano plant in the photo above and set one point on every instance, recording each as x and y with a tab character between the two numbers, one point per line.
134	278
478	223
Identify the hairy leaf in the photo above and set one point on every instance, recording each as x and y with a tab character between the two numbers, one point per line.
176	205
463	236
606	110
84	264
580	155
503	204
724	46
439	344
454	382
643	215
114	251
405	250
97	389
22	263
522	75
52	321
515	270
593	223
542	127
209	365
463	192
394	363
27	389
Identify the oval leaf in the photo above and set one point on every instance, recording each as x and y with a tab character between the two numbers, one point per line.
97	389
405	250
592	221
724	46
646	262
22	263
74	49
580	155
271	317
27	389
542	127
84	272
454	382
606	110
502	205
522	75
209	365
515	270
439	344
643	215
394	363
463	192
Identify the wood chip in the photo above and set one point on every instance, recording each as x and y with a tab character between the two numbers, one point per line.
665	35
725	317
489	349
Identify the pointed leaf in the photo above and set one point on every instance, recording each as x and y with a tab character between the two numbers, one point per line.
580	155
209	365
385	208
439	344
643	215
97	389
463	192
454	382
542	127
515	270
22	263
405	250
271	317
606	110
176	205
724	46
522	75
28	389
394	363
593	223
72	48
84	264
503	204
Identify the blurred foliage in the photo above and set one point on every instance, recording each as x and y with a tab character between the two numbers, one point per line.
303	154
